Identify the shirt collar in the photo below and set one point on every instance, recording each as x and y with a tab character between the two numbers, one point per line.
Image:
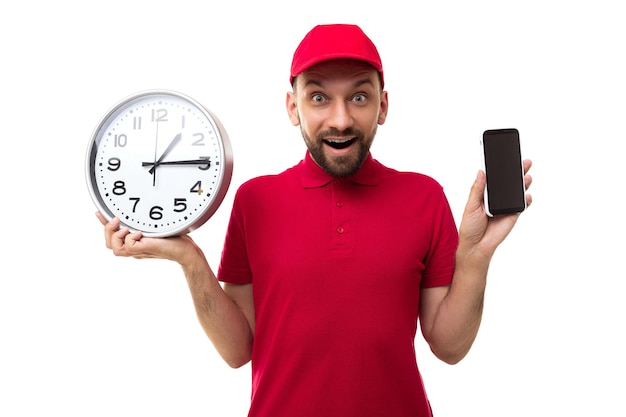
313	176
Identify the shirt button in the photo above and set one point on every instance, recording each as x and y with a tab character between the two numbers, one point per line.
340	204
338	182
340	230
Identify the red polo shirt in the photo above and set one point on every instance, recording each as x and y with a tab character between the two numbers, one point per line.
337	266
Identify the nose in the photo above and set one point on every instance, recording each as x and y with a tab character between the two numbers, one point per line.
340	117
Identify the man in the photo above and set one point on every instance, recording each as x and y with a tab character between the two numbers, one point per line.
327	266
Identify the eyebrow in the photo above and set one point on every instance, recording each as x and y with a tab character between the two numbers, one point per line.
318	83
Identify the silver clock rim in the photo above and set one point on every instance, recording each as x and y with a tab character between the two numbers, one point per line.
225	173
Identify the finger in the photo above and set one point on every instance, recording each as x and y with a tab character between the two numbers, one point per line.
528	180
117	241
107	235
101	218
476	193
133	247
131	239
109	229
529	200
527	164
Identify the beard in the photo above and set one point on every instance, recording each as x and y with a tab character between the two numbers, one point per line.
339	166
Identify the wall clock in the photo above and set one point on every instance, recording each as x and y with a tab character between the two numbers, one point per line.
159	161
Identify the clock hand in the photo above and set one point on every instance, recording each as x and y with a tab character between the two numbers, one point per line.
156	146
201	161
173	143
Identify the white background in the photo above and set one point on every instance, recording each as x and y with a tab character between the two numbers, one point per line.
83	333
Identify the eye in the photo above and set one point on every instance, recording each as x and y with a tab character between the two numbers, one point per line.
359	98
318	98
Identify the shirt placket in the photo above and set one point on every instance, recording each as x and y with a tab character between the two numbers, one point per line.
341	218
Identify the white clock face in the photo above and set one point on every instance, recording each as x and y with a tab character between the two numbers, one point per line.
160	162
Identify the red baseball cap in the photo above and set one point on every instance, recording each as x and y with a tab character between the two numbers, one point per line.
325	42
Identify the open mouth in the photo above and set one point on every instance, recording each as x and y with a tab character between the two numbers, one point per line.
339	144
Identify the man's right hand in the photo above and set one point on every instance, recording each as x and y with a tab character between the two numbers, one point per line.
125	243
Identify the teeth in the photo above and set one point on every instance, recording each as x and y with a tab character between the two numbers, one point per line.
339	143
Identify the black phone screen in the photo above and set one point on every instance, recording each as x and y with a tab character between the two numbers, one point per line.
503	167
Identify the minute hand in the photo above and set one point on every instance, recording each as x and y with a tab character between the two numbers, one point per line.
171	146
201	161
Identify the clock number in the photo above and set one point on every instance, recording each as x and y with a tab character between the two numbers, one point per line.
137	122
159	115
182	124
136	201
181	203
199	141
114	164
208	163
120	140
197	188
119	188
156	213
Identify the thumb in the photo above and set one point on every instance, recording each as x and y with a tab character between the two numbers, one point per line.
476	196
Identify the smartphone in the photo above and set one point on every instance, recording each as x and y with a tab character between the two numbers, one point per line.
502	157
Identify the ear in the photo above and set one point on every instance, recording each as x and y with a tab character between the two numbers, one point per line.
292	108
384	106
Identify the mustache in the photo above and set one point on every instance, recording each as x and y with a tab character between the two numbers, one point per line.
333	132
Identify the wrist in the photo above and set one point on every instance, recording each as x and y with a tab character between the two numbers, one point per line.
470	258
191	258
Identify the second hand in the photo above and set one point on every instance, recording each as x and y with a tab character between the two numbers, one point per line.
156	145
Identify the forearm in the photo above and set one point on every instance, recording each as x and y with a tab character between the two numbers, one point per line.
220	317
451	315
459	315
